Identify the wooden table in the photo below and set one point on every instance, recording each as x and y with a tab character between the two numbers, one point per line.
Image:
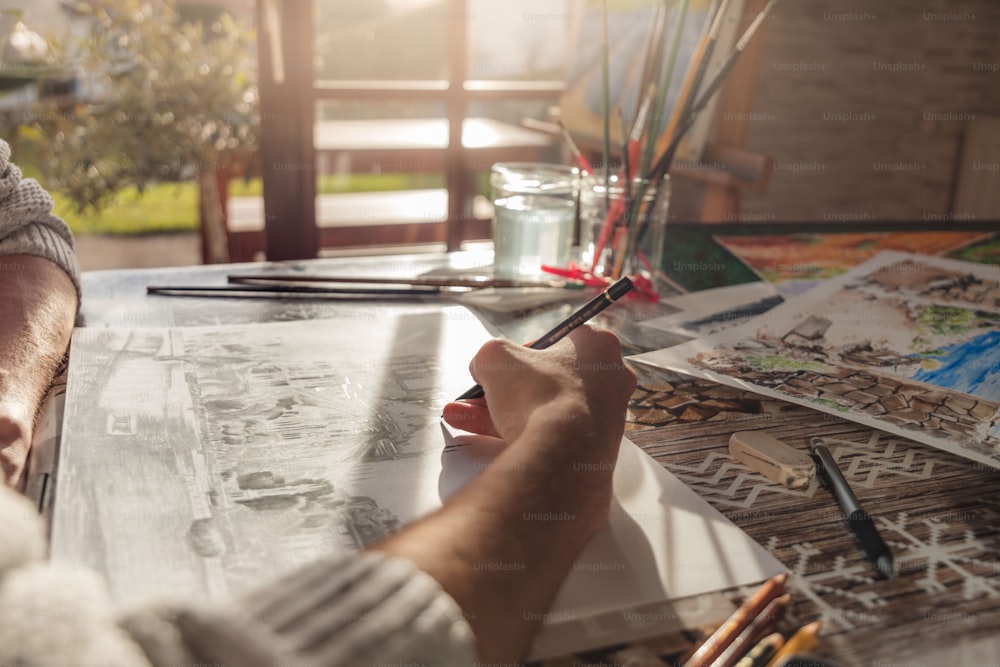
939	513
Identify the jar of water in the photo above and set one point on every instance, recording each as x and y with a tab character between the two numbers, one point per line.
535	207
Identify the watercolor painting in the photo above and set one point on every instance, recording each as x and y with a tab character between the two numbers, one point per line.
709	311
906	343
819	256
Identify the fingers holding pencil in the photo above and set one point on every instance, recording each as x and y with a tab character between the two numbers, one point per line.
575	391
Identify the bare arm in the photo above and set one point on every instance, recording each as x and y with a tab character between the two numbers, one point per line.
502	545
38	301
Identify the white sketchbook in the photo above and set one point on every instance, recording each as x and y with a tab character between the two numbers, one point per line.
203	461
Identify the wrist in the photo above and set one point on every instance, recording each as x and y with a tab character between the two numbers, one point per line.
563	473
568	429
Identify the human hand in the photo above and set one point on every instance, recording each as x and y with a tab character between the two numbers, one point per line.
578	388
15	443
561	412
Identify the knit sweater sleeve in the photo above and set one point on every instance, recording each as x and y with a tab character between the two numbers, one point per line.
357	610
27	224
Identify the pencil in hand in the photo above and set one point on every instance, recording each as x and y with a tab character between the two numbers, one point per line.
590	310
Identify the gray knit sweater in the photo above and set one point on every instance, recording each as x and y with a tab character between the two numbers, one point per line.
360	610
27	225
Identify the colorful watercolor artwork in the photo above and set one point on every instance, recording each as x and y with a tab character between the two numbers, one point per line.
906	343
817	256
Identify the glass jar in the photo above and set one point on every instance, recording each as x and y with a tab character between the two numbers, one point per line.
535	206
632	240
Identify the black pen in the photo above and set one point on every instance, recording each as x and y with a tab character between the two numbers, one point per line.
617	290
859	522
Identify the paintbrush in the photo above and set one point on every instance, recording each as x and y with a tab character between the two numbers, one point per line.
578	156
696	72
664	162
616	208
473	282
606	99
664	85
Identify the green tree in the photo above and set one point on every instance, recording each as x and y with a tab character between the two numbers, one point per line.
175	100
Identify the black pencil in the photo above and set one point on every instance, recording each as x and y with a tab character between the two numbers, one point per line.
617	290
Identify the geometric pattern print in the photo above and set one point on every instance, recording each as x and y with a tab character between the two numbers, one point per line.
867	463
939	514
924	546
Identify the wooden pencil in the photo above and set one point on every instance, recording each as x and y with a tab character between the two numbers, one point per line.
740	619
762	625
804	639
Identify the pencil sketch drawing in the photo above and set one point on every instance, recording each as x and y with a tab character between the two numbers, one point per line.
251	449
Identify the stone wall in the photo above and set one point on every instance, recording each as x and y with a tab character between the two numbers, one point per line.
863	105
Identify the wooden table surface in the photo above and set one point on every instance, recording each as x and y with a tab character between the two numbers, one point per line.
938	512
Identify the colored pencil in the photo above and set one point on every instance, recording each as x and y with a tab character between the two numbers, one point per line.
713	647
761	626
763	651
803	641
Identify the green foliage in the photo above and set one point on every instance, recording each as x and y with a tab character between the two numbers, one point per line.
173	207
180	100
160	208
783	364
984	252
833	405
946	321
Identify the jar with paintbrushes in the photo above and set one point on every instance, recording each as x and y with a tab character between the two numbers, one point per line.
622	228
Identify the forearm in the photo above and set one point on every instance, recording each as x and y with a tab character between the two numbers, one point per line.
38	302
503	544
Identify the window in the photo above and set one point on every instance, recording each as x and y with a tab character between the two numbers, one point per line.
409	99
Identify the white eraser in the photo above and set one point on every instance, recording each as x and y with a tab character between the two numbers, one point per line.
772	458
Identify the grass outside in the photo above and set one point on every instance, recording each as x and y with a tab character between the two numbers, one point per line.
173	207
